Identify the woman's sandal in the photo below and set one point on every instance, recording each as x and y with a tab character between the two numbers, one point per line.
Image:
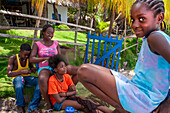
48	111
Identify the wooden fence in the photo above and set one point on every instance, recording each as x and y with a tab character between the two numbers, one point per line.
36	29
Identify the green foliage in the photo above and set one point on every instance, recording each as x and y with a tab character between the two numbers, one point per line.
129	57
6	88
103	26
61	27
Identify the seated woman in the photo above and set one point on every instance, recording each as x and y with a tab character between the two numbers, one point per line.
44	49
61	89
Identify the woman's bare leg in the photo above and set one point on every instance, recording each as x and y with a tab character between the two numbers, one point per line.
72	70
43	84
72	103
100	82
78	106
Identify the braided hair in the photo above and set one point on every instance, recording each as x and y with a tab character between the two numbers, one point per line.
155	5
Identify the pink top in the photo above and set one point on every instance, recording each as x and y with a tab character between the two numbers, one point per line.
44	51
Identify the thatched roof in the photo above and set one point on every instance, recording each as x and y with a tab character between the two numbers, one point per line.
67	3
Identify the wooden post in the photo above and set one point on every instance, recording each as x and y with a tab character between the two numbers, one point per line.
125	35
55	12
75	40
37	23
111	20
44	14
91	23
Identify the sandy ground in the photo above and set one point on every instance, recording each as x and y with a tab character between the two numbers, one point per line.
7	105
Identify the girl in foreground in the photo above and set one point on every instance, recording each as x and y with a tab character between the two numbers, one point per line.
62	90
150	86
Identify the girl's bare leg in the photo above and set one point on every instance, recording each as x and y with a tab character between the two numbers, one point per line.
101	83
43	84
72	70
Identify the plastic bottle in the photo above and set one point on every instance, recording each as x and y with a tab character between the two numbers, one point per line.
69	109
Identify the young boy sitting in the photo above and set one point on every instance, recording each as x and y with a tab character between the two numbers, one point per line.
61	87
18	68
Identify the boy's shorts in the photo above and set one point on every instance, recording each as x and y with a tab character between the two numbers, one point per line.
57	106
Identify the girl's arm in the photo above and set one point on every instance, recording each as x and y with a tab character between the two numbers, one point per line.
58	49
160	45
71	91
33	69
59	98
34	52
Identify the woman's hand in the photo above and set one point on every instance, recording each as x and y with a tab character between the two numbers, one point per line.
33	69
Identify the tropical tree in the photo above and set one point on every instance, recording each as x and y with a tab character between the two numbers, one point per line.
113	6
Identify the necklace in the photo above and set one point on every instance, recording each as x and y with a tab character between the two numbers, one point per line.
60	84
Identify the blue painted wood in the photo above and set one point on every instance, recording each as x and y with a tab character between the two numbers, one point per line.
118	55
114	55
92	54
104	51
105	39
109	51
108	59
98	50
107	54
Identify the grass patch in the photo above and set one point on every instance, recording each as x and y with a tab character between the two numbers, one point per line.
11	46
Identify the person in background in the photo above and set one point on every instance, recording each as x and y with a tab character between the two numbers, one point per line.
20	69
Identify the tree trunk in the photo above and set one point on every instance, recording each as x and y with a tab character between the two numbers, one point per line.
43	22
91	23
56	13
105	14
37	23
84	17
111	21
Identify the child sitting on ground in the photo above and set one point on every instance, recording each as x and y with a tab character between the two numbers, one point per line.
61	87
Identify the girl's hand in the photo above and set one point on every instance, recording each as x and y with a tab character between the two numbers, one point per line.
72	88
45	60
62	94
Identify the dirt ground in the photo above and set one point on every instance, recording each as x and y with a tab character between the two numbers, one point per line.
7	105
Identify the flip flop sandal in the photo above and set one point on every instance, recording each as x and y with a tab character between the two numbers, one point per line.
20	110
48	111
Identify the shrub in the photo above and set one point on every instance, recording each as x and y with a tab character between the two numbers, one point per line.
61	27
